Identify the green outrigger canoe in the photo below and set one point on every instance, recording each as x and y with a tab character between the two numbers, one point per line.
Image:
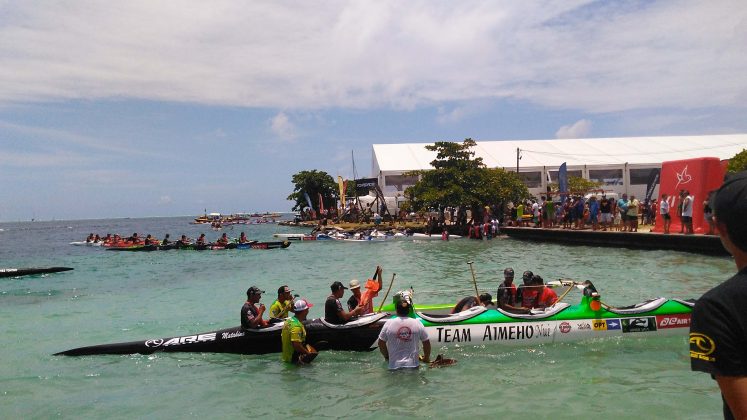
561	322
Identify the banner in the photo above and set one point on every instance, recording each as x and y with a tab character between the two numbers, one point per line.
341	184
308	200
563	181
364	185
321	204
653	181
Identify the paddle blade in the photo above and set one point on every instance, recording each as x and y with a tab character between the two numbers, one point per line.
441	361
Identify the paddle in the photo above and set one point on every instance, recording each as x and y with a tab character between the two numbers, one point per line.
387	292
474	281
439	361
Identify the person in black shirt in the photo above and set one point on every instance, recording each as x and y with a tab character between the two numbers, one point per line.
333	311
251	315
718	332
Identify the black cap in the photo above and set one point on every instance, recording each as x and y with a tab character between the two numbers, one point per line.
337	286
729	206
254	290
508	271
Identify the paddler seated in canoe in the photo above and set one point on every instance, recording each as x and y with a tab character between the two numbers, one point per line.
201	240
166	240
223	240
243	239
486	299
279	309
134	239
293	336
251	315
333	311
525	293
184	241
365	299
506	294
149	240
545	295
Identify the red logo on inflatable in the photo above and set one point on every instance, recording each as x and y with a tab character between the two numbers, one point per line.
565	327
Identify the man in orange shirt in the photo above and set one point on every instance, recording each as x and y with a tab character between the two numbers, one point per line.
365	299
545	295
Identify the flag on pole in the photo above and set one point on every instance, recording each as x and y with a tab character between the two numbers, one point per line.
563	181
341	184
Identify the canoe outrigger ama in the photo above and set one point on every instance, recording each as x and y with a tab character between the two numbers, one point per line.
560	322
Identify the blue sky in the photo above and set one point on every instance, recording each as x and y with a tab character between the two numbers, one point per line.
144	108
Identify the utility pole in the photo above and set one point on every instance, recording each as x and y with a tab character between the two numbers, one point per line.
518	156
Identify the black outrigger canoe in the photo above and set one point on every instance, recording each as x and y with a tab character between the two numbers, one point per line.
195	247
16	272
358	335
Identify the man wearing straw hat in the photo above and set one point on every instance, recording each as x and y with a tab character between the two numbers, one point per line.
365	299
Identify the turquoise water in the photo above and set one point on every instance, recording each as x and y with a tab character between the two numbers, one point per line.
112	297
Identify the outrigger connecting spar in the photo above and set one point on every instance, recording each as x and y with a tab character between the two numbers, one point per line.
561	322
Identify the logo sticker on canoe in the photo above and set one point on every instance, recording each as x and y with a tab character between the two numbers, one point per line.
190	339
605	324
673	321
565	327
639	324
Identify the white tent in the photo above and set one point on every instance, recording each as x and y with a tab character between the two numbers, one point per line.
541	158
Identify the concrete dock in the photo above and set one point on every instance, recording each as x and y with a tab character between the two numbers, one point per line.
701	244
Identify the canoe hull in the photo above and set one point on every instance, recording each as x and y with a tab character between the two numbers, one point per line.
239	341
17	272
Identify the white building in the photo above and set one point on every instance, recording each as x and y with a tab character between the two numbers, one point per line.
623	165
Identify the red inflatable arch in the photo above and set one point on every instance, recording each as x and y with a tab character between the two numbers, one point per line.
699	176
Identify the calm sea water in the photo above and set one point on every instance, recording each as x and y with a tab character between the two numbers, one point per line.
112	297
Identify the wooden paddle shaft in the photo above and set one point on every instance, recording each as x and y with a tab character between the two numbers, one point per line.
474	281
387	292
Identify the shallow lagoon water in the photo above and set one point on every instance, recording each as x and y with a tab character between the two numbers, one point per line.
112	297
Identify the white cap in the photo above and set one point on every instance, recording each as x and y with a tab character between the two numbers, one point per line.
355	284
301	305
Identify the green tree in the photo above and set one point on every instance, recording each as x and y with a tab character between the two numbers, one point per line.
577	185
738	163
313	183
459	179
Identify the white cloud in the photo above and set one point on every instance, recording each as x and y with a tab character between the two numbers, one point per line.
580	54
282	126
449	117
577	130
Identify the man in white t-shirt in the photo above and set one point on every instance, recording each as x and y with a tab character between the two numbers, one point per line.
664	210
399	338
687	212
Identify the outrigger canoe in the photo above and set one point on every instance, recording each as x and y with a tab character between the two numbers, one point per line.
17	272
303	236
476	326
195	247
